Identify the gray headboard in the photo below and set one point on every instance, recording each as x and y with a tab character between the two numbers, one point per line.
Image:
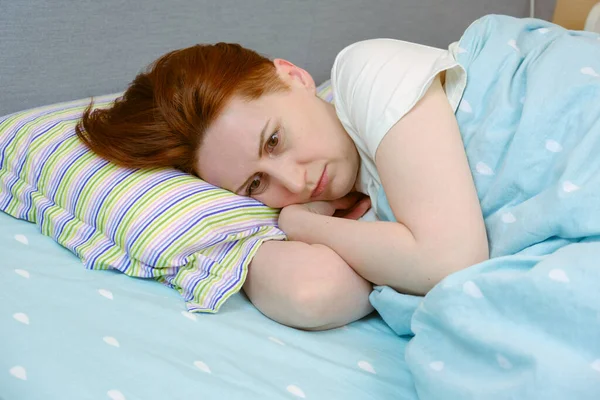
61	50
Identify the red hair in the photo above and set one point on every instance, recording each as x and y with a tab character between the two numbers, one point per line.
162	116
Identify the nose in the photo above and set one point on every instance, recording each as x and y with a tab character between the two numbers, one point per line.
291	175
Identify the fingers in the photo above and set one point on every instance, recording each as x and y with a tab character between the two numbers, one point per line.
359	209
353	205
347	201
320	207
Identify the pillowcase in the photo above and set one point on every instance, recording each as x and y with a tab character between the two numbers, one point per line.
157	223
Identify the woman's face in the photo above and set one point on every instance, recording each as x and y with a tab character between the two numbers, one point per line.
284	148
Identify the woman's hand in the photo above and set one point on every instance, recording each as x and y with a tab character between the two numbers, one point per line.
351	206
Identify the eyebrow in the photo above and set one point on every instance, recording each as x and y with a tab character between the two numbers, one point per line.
261	141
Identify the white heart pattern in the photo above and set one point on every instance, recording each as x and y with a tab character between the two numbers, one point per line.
22	272
543	31
558	275
106	293
115	395
512	43
596	365
484	169
22	318
22	239
111	341
437	365
470	288
366	366
589	71
465	107
508	218
189	315
569	186
18	372
296	391
202	366
553	146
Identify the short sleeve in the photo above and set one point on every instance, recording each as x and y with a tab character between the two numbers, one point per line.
376	82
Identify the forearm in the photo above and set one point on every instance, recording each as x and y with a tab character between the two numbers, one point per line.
306	286
385	253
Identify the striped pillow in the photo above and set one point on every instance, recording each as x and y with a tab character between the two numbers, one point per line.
159	223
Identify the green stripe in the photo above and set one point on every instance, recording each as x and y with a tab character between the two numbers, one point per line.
86	198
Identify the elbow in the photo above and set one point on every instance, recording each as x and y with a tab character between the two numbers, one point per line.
309	309
312	288
441	262
456	258
323	302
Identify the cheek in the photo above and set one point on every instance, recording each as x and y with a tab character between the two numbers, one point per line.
276	198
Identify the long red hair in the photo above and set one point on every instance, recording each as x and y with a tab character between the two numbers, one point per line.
162	116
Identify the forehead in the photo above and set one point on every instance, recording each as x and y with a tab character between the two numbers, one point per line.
230	145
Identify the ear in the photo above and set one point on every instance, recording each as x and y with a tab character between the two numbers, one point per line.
294	75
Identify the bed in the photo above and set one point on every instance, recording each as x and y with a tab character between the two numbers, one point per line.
71	333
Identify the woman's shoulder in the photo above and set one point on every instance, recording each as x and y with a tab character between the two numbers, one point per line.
371	60
376	82
372	50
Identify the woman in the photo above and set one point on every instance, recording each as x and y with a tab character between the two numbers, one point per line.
256	127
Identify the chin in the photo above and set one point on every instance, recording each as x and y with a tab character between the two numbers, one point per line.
341	193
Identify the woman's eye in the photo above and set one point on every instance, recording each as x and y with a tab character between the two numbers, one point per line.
254	185
273	141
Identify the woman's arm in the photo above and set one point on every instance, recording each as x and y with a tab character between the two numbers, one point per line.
428	183
306	286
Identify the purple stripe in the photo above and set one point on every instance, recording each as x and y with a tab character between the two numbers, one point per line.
189	225
37	171
160	207
8	184
194	280
4	195
74	193
217	291
62	171
189	284
216	239
139	188
224	286
15	129
123	206
217	207
41	211
238	277
41	129
105	190
60	224
174	198
99	250
82	239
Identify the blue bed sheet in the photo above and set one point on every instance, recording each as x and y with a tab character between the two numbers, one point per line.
70	333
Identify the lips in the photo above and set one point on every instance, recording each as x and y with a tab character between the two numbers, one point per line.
321	185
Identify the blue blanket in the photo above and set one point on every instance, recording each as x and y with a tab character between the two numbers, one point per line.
526	323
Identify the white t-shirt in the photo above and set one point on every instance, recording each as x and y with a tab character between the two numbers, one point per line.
375	83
